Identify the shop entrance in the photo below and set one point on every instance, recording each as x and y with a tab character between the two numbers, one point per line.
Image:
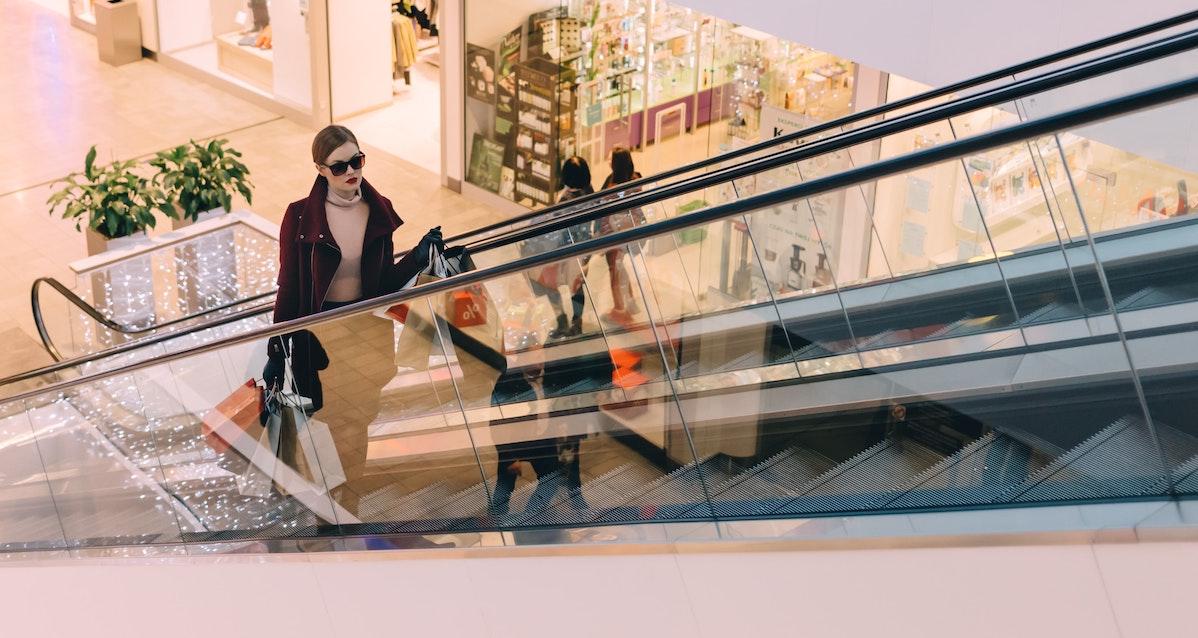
410	127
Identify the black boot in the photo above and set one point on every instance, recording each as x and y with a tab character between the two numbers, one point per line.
575	327
561	331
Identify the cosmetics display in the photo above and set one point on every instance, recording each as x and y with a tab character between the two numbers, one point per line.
588	75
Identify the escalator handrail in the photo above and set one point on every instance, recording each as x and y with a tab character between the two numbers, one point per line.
847	120
39	320
1114	107
1023	88
1081	71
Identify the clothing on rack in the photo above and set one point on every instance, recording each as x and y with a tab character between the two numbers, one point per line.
403	45
423	11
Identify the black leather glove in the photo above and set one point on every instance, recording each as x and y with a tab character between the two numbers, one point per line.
272	373
423	250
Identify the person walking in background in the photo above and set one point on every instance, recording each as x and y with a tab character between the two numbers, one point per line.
576	181
622	171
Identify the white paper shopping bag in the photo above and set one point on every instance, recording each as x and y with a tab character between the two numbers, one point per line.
320	454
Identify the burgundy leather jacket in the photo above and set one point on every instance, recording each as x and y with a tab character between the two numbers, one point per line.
309	257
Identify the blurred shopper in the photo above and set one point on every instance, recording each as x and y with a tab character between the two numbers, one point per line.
553	455
622	171
546	281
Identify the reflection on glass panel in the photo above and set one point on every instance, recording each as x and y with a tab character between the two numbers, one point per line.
28	517
207	273
673	84
102	468
1134	198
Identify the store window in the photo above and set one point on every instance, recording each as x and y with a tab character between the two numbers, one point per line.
84	11
257	45
548	80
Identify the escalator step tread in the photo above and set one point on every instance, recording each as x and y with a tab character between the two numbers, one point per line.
778	477
1186	476
976	474
517	501
1120	460
676	492
854	484
391	504
601	493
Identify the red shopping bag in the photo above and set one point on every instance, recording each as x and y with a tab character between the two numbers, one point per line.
235	416
468	307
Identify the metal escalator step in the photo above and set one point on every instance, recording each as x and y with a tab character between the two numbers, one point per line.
747	360
601	494
771	507
390	504
969	325
1054	311
854	484
949	328
774	480
448	514
1185	477
1140	298
879	340
517	501
976	474
669	497
1120	460
814	350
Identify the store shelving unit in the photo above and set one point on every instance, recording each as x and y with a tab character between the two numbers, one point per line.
545	105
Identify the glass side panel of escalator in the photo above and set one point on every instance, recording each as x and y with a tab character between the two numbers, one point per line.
194	275
935	339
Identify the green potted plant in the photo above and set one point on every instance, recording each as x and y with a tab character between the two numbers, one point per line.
201	178
109	203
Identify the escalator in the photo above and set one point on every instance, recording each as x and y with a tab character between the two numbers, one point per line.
1045	372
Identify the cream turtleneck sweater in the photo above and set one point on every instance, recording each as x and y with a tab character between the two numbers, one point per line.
347	220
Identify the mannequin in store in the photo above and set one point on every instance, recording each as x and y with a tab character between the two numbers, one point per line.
259	34
623	170
335	248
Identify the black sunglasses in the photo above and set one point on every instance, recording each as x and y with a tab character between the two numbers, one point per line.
339	168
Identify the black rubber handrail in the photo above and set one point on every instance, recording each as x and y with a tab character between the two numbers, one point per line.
1138	101
576	205
48	343
1018	90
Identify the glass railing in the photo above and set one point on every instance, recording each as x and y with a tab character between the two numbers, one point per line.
171	287
688	382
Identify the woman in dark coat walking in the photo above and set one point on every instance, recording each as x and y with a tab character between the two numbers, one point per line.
335	248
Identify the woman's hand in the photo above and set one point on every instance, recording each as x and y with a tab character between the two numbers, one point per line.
432	239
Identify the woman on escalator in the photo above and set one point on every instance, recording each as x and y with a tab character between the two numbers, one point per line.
335	248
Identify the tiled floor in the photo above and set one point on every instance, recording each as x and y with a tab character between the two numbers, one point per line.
61	100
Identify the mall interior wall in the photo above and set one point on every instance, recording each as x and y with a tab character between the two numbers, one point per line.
1106	589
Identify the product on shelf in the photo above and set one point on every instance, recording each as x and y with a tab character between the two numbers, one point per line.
544	123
